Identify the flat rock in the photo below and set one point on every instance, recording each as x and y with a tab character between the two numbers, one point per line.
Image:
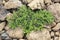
39	35
15	33
12	4
36	4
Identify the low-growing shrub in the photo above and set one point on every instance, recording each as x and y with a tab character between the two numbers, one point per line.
30	20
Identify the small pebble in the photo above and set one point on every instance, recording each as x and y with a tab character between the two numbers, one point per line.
52	33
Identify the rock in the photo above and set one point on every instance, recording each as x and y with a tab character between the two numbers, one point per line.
27	1
15	33
39	35
56	1
36	4
5	36
55	10
14	39
51	39
48	2
52	34
21	39
57	27
3	13
57	33
56	38
12	4
2	25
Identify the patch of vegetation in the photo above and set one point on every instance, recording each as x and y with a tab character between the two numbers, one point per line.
30	20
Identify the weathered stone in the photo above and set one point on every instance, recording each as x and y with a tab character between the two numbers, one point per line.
15	33
39	35
12	4
27	1
55	10
36	4
57	27
57	33
2	25
52	33
56	38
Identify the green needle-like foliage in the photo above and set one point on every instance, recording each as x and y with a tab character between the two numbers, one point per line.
30	20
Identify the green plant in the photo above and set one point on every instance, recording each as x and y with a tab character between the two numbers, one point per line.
30	20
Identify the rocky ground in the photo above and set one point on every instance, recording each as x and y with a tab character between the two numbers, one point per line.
50	32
